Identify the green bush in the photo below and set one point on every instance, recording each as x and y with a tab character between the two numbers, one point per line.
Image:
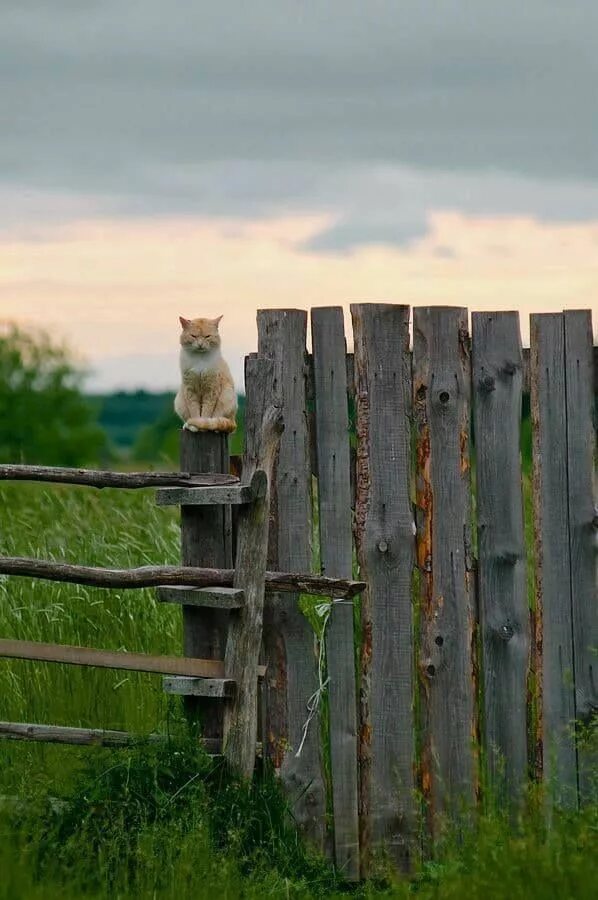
44	417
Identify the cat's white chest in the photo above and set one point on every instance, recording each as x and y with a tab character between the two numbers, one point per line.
198	363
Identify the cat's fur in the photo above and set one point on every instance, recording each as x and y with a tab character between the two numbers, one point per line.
207	399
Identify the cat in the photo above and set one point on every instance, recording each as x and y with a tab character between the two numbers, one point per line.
207	399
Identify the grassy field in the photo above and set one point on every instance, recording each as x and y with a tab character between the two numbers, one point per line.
167	822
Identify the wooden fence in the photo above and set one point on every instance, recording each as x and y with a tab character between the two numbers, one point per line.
467	664
465	676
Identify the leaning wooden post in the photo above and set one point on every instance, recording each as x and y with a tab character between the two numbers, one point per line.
263	427
206	540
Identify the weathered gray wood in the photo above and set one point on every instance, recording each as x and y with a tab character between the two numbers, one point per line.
159	576
385	540
289	640
210	495
441	391
185	686
206	540
593	384
553	649
112	659
263	427
85	737
104	479
61	734
581	450
503	605
213	597
336	554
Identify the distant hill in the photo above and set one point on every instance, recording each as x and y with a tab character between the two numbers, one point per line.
142	425
124	414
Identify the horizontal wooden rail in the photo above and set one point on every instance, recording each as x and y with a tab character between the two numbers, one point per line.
215	495
187	576
104	479
88	737
208	598
113	659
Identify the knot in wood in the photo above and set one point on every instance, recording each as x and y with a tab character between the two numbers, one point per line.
505	632
382	546
487	384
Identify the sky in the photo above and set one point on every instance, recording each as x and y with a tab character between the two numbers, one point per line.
162	158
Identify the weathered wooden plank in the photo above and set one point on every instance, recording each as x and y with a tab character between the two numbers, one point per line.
336	554
104	479
581	454
206	540
85	737
441	391
553	650
214	597
62	734
593	374
385	540
210	495
289	640
159	576
503	605
185	686
111	659
263	427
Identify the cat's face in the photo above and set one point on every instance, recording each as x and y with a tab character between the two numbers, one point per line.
200	335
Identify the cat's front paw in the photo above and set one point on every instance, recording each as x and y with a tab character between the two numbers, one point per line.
188	427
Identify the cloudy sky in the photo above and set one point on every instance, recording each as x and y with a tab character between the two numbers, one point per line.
160	157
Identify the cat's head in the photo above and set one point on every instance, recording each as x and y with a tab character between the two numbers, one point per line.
200	335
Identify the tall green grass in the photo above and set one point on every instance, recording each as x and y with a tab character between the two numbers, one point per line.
165	821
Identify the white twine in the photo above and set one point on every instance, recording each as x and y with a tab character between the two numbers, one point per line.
322	610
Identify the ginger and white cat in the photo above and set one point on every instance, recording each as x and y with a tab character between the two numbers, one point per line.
207	400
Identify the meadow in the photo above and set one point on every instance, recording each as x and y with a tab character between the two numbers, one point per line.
166	821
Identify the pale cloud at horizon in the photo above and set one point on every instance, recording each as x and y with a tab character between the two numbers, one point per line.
114	289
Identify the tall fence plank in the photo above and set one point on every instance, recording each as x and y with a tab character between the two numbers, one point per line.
581	449
385	548
206	540
553	649
447	654
502	584
289	640
336	548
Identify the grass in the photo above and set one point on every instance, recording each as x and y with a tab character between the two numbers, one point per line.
166	821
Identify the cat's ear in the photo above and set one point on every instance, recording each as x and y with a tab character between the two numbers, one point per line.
184	322
217	320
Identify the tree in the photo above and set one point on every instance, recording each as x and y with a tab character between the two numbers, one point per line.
44	417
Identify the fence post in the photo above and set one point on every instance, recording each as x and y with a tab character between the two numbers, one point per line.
206	540
447	663
583	525
553	649
504	611
289	639
336	550
386	553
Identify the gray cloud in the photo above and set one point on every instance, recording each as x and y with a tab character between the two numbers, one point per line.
375	112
